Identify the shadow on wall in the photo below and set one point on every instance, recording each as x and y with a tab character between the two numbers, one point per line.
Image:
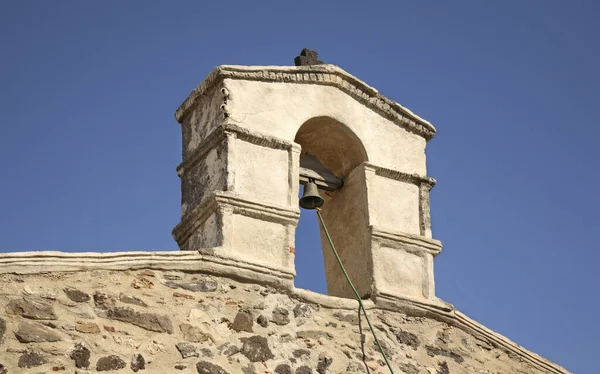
340	151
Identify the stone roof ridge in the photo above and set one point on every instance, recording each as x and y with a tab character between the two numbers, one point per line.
324	74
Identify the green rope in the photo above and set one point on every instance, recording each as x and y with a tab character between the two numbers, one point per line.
354	289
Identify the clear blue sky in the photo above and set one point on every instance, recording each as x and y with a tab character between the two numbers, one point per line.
89	144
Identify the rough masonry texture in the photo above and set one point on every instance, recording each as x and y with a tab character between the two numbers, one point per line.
226	302
320	335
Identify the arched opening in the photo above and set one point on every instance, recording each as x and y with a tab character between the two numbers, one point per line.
332	154
333	143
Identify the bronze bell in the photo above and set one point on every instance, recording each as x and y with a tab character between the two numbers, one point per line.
310	198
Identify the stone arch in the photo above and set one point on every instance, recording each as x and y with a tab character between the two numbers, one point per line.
328	140
340	151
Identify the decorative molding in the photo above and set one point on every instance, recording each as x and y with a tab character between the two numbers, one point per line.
258	138
48	262
191	221
328	75
425	185
219	134
399	240
433	308
415	179
238	205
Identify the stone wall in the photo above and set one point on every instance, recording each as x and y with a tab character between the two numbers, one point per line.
172	321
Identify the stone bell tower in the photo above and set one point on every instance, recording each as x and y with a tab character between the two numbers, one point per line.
253	134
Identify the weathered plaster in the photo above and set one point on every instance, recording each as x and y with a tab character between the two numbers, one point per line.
280	109
250	152
327	75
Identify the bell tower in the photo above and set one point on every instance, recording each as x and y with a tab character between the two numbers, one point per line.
252	134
